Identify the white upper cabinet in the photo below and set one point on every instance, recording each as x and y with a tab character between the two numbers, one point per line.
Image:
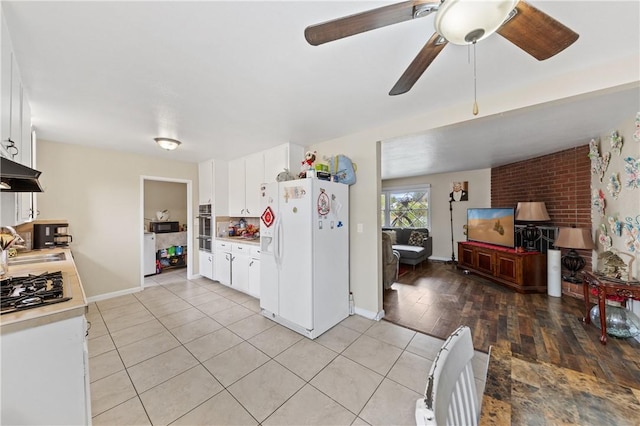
212	185
246	174
205	182
285	156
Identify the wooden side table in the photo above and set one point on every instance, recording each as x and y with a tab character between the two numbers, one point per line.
605	288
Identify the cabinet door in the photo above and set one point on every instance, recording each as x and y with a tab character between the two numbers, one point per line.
254	176
236	188
240	272
275	161
465	255
484	261
254	277
205	182
222	267
25	199
5	83
509	267
206	264
16	107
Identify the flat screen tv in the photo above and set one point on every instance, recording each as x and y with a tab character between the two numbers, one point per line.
492	226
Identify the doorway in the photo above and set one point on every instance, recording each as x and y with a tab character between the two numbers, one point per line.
167	200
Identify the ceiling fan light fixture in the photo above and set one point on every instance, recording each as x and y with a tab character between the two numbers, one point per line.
468	21
167	143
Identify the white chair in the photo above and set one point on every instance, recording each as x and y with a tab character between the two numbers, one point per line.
450	397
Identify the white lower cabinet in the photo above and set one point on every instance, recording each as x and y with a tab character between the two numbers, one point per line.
46	365
206	264
238	266
254	272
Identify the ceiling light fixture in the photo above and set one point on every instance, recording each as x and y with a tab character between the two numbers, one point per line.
167	143
468	21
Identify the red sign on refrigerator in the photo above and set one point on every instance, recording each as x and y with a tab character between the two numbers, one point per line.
267	217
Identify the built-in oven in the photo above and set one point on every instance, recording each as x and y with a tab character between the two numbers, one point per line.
205	227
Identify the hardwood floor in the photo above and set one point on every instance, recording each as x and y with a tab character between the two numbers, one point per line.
436	298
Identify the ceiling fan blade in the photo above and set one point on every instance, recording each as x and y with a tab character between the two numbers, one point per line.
420	63
537	33
369	20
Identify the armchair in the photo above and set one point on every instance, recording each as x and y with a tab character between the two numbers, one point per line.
390	262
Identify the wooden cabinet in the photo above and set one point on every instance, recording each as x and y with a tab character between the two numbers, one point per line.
523	272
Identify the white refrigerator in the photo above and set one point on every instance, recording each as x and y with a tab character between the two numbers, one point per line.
304	254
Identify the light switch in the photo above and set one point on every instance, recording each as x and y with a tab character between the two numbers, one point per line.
360	228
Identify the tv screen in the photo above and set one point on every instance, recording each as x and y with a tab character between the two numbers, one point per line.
492	226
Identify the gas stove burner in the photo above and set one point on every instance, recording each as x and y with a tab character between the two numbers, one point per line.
17	293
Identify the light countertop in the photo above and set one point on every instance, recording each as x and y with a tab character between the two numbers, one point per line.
33	317
240	240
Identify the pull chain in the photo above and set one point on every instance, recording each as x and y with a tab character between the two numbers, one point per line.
475	92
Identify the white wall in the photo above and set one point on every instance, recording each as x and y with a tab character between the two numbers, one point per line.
479	196
159	196
98	191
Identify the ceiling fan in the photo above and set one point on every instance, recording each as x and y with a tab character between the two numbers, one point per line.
460	22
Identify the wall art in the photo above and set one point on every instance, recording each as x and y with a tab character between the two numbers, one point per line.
636	134
632	170
604	239
614	186
598	202
599	163
459	191
615	225
631	231
615	140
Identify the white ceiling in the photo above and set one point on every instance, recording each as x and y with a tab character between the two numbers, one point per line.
228	78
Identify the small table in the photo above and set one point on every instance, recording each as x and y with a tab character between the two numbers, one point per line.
605	288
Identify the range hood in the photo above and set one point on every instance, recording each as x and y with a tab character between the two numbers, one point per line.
14	177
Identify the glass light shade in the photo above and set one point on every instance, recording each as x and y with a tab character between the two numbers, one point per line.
620	322
467	21
532	211
575	238
167	143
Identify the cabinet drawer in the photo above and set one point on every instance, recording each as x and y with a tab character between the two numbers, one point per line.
240	248
255	252
223	245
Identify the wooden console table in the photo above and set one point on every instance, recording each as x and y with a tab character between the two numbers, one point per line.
524	272
604	288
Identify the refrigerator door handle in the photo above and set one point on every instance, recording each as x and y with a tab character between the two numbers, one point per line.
277	243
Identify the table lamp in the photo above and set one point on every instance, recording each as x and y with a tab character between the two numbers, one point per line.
531	211
574	238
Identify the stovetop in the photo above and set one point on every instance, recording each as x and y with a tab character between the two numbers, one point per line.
32	291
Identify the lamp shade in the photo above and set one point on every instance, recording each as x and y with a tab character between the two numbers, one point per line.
575	238
467	21
532	211
167	143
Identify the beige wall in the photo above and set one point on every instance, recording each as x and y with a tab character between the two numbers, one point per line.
171	196
479	191
98	191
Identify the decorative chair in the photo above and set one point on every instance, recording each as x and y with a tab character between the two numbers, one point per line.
451	397
390	261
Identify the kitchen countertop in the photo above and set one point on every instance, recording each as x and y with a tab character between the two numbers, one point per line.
240	240
28	318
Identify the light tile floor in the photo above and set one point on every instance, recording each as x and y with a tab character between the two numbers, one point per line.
195	352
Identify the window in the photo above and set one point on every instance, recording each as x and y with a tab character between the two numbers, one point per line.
406	207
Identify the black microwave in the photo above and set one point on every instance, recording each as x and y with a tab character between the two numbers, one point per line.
162	227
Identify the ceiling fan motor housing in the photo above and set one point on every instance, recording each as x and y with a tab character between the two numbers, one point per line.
468	21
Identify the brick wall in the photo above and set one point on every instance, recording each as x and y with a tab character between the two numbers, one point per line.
562	180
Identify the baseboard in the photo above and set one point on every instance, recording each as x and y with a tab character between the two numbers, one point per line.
376	316
440	259
113	294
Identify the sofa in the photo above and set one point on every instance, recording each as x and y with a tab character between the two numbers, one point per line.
390	261
414	249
